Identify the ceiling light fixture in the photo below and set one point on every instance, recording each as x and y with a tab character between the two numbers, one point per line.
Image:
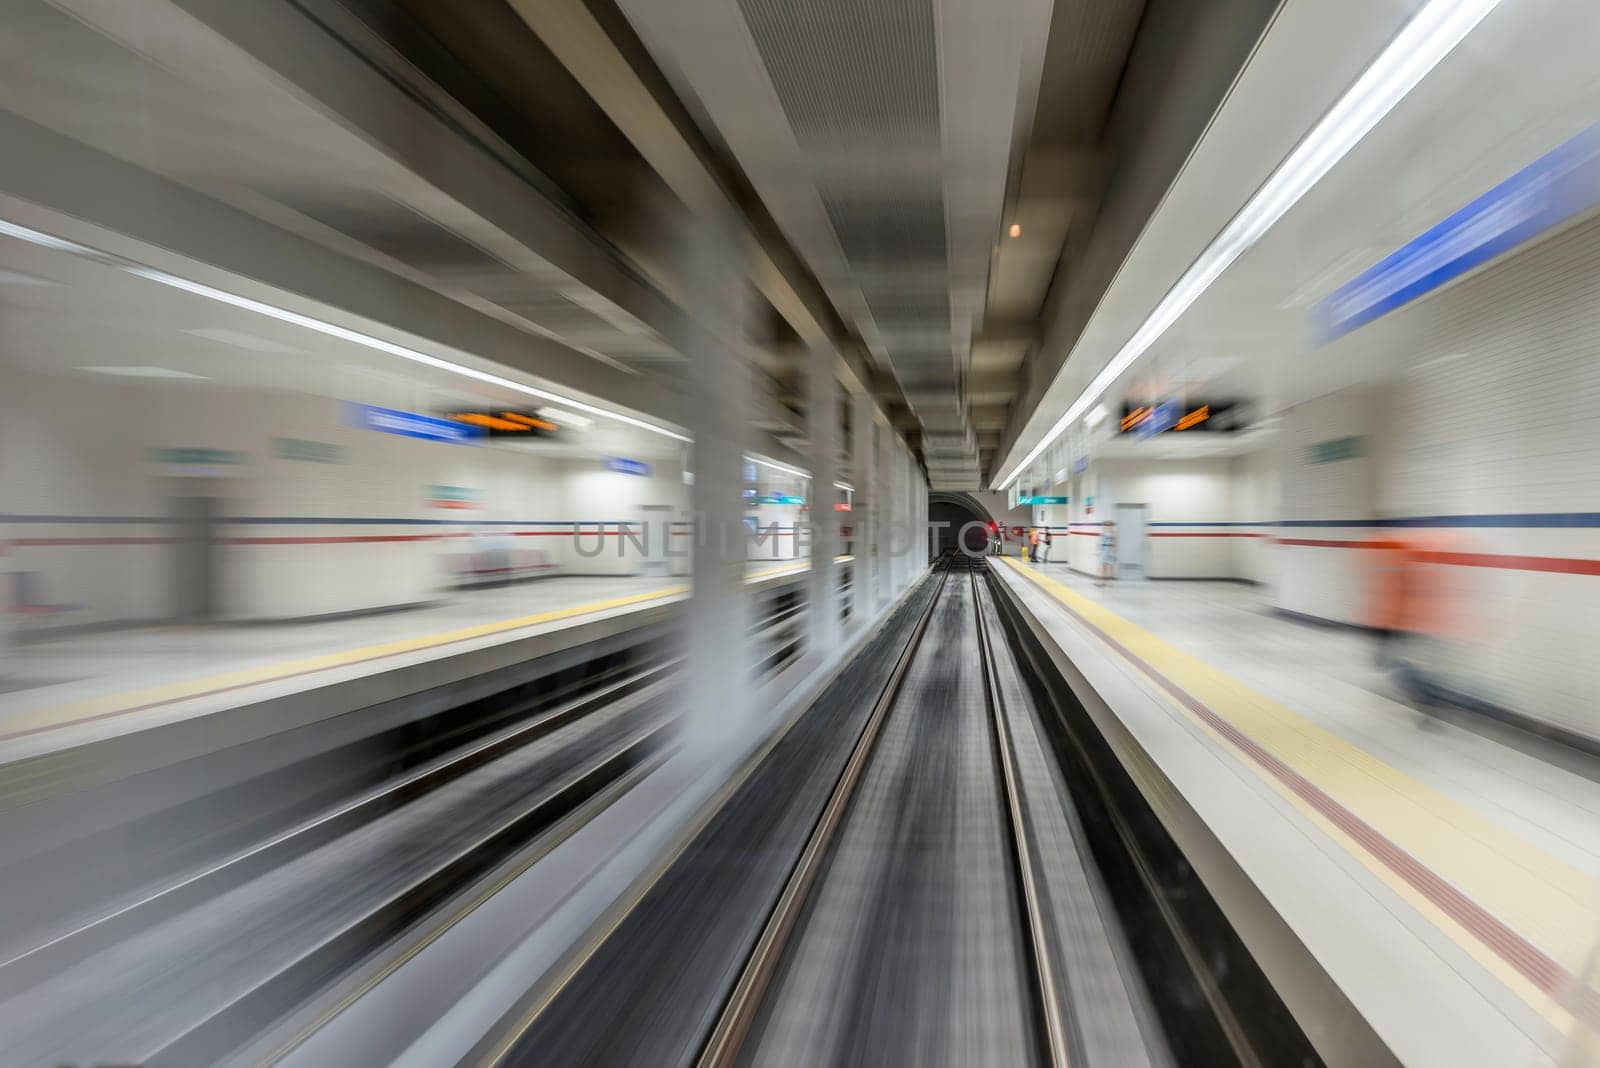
133	371
564	417
1016	230
240	340
378	344
774	465
44	240
1430	36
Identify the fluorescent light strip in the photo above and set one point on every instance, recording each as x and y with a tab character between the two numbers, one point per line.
377	343
49	241
785	468
331	330
796	471
1430	36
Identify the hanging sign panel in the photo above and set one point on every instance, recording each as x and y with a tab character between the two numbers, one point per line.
499	423
1194	415
410	424
624	466
1550	190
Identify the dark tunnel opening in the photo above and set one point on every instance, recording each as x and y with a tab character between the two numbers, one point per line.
952	520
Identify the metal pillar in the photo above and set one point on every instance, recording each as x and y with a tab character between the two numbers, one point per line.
718	664
883	514
822	428
863	466
898	541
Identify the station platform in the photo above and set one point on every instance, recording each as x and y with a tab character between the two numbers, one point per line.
1436	873
80	688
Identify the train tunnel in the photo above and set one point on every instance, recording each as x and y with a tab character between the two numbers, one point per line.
958	520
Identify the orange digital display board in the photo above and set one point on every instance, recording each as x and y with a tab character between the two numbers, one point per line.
506	424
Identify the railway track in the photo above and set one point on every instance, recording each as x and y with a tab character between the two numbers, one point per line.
913	928
897	877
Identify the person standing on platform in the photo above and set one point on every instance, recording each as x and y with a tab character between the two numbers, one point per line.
1044	545
1108	552
1418	608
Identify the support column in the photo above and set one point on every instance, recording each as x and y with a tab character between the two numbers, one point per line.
718	661
822	429
863	466
914	534
900	532
922	520
883	513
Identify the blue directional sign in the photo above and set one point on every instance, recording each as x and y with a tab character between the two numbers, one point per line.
1550	190
1162	418
409	424
627	467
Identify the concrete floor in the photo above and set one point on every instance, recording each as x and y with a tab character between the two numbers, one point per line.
1423	859
78	665
67	677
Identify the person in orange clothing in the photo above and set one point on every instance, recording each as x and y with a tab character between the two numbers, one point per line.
1416	602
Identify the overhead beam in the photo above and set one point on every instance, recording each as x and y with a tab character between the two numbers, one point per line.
319	66
992	387
652	119
988	416
160	223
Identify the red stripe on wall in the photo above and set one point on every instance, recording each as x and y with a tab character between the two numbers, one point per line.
1203	534
360	539
1558	565
352	539
1320	543
345	539
23	542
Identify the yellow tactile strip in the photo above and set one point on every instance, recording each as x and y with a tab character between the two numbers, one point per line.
98	708
140	700
1526	916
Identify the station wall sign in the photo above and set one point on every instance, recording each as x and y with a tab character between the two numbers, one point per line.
453	497
1552	189
1044	500
1336	449
311	452
623	466
410	424
199	462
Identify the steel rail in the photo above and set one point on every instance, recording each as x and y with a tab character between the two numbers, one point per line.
1046	986
739	1012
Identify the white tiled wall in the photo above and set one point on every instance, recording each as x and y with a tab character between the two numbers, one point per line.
1492	412
1196	494
1257	503
80	447
1317	497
